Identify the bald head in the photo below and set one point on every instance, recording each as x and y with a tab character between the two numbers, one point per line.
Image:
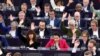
77	15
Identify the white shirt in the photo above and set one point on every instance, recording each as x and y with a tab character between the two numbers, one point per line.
1	52
41	33
52	23
46	14
13	33
59	8
33	7
85	9
96	33
77	23
54	6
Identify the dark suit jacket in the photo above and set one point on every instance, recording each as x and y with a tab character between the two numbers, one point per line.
25	41
91	32
35	14
43	14
56	22
82	24
4	42
47	32
25	23
81	53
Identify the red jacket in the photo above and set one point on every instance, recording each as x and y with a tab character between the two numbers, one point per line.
62	44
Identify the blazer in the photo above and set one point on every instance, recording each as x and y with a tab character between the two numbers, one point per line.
91	32
56	22
68	31
47	32
25	41
4	42
62	44
25	23
5	30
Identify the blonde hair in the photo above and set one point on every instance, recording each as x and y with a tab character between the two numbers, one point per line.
72	21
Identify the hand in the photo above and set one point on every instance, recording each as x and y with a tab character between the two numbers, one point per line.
93	15
38	9
20	23
94	49
69	2
11	17
73	37
91	4
32	26
9	2
77	43
69	17
64	16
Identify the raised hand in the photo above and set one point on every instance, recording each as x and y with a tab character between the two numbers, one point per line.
38	9
11	17
9	2
69	17
69	2
73	37
32	26
94	50
63	16
77	43
20	23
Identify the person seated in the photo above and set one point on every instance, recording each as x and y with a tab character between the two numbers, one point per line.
30	40
10	30
80	23
91	47
94	30
8	5
52	20
46	10
84	39
24	8
22	20
86	6
72	30
57	43
42	31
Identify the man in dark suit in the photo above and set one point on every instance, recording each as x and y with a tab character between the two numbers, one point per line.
91	47
53	21
22	20
46	10
80	23
42	31
94	30
86	6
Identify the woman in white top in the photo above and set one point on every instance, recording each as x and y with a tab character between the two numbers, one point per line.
57	5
